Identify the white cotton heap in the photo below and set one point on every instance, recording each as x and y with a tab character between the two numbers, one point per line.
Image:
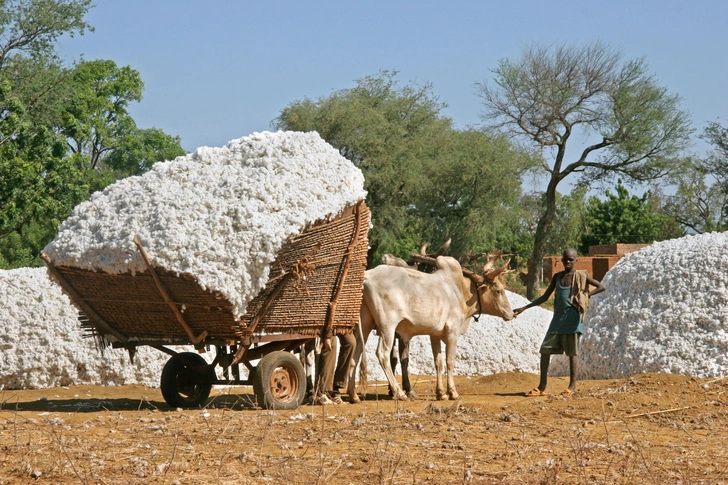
665	310
42	345
489	346
220	214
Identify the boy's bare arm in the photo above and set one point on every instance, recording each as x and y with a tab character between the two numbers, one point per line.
541	299
598	284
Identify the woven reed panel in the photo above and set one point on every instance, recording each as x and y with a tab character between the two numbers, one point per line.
302	306
134	306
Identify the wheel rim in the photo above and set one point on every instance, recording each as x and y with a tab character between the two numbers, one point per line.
282	384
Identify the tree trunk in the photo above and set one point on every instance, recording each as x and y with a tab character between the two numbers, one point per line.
543	228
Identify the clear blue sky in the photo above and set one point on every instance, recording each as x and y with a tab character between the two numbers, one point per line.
216	70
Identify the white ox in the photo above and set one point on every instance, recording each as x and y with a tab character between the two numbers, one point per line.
438	304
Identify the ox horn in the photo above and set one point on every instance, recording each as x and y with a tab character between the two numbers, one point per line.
423	249
443	248
492	274
439	252
492	258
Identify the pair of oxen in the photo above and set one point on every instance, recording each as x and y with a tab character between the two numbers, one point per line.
398	300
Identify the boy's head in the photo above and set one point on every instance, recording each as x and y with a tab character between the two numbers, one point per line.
569	258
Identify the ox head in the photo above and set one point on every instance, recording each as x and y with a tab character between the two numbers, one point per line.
491	291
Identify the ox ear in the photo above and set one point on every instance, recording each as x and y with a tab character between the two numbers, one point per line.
492	274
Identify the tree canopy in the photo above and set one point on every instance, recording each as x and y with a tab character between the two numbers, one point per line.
64	130
426	181
632	126
625	218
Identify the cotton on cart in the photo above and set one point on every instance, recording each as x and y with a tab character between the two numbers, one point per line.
313	289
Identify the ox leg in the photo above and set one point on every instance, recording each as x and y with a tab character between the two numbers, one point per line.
384	349
439	367
366	324
393	360
450	346
308	357
404	360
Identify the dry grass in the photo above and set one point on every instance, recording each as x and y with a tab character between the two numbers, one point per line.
652	429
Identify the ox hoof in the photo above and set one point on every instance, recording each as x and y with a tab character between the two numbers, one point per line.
442	397
401	396
454	395
354	398
413	395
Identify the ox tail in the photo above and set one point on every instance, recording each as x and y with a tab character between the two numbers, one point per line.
363	367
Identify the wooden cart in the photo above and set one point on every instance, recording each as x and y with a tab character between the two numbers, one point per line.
314	288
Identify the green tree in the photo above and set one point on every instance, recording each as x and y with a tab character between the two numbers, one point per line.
426	181
58	126
136	152
717	161
569	222
31	77
700	201
96	119
632	126
625	218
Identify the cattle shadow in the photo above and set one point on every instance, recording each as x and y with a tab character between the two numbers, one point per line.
95	405
82	405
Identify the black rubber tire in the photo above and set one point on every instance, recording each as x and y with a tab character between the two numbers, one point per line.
180	384
279	381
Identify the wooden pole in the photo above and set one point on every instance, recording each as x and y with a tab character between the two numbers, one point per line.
170	302
656	412
102	324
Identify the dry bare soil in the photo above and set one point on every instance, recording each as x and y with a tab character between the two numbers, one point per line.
651	428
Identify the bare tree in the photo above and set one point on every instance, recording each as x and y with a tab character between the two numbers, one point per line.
633	126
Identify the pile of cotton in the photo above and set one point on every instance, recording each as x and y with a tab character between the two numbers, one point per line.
665	309
220	214
489	346
41	342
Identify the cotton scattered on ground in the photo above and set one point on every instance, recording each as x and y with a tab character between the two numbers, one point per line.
489	346
665	310
42	345
220	214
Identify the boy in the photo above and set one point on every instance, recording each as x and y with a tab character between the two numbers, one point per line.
570	304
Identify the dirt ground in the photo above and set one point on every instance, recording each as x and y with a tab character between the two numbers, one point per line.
651	428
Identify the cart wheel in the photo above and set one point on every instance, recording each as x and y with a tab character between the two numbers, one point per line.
279	381
181	386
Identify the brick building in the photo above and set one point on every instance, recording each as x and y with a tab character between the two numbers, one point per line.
600	260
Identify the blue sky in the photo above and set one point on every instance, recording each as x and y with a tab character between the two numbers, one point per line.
216	70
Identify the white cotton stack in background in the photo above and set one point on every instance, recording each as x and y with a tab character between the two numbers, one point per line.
489	346
665	309
42	345
220	214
